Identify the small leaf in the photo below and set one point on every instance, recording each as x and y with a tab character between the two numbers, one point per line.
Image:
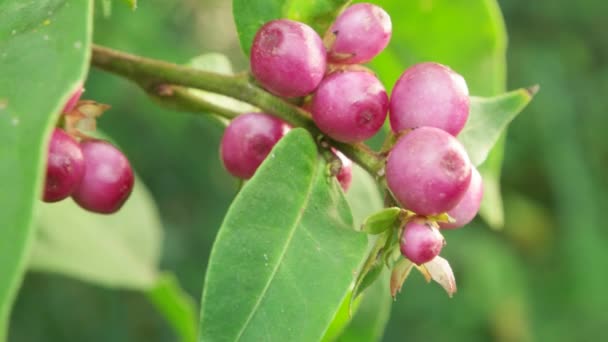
381	221
400	273
219	63
489	117
371	276
441	272
491	209
363	196
250	15
121	250
284	258
371	262
176	306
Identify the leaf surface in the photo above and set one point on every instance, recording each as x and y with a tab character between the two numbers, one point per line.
44	53
121	250
285	256
488	119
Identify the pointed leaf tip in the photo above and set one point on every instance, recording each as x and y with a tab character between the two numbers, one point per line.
400	273
533	90
488	119
441	272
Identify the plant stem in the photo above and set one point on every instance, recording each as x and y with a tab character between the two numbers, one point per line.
158	77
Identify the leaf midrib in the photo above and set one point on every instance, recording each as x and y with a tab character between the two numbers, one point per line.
284	251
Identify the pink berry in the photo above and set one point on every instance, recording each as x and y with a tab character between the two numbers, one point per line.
248	140
65	167
421	242
350	106
345	176
288	58
358	34
467	208
108	178
428	171
429	94
69	106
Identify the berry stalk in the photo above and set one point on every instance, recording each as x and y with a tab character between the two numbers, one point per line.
157	77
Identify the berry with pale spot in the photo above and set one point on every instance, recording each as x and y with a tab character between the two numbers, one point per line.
428	171
350	106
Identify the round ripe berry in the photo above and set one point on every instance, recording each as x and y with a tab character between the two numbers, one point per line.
350	106
358	34
467	208
288	58
65	167
345	176
429	94
421	242
108	178
428	171
248	140
69	106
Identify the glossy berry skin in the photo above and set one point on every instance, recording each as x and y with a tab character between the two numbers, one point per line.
288	58
248	140
350	106
358	34
71	104
65	167
467	208
108	178
429	94
345	176
421	242
428	171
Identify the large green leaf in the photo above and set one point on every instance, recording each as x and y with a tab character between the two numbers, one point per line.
44	53
442	31
284	258
250	15
488	119
121	250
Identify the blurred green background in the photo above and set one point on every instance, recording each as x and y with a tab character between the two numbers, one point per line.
541	278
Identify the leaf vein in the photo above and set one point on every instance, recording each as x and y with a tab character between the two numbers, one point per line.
283	252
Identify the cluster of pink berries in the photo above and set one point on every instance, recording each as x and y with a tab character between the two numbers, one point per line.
94	172
428	170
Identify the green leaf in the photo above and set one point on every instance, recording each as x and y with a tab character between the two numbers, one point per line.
341	318
218	63
380	221
373	312
372	308
44	54
132	4
442	31
121	250
284	258
490	117
250	15
491	209
363	196
176	306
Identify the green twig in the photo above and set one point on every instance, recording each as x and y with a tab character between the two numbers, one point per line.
158	79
